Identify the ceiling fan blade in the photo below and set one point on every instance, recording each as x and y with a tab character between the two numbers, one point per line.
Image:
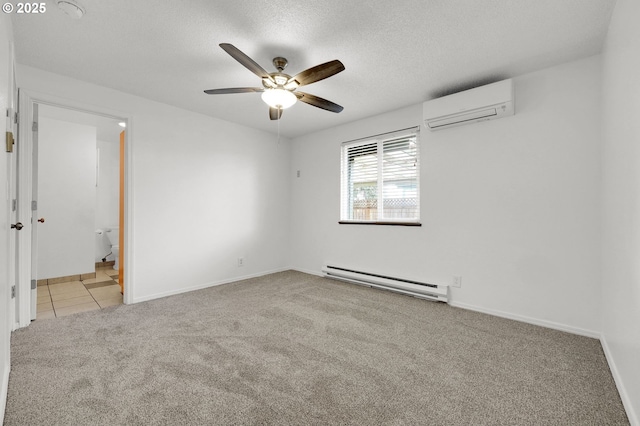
317	73
233	90
248	63
275	113
317	101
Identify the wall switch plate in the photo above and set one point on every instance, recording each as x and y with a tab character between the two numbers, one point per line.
457	281
240	261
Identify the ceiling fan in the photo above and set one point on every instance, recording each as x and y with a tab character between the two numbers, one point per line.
279	89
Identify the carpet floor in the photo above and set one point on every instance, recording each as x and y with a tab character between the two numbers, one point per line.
296	349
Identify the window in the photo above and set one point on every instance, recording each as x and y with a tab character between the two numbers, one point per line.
380	179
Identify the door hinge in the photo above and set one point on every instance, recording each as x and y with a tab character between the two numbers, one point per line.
34	284
34	205
13	291
16	118
10	141
14	205
34	127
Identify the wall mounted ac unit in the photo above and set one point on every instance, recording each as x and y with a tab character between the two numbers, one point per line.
478	104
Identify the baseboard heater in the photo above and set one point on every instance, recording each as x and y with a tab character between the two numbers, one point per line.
421	290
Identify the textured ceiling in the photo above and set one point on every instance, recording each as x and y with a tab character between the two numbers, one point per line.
395	53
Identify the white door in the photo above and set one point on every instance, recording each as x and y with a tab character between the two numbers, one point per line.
12	197
7	217
35	221
7	266
8	179
66	186
24	154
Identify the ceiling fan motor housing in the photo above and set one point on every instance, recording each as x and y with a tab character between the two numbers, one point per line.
279	80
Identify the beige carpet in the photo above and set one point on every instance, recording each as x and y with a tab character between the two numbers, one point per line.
291	348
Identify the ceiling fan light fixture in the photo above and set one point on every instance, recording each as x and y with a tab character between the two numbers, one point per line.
291	85
268	83
279	98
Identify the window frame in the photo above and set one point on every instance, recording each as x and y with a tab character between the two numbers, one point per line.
380	141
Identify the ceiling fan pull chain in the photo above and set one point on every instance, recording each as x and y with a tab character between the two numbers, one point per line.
279	127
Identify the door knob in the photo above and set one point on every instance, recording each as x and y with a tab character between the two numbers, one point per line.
18	226
41	220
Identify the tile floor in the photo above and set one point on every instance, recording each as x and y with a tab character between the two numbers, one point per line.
58	300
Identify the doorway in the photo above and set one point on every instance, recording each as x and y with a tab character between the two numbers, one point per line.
58	273
78	202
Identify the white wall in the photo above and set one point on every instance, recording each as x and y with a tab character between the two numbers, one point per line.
621	202
511	205
6	61
107	193
66	198
204	191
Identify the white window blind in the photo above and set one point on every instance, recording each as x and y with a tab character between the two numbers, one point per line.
380	179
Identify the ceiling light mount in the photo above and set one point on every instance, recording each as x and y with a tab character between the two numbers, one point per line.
280	63
71	8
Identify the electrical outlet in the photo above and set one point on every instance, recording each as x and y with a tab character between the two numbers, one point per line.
457	281
240	261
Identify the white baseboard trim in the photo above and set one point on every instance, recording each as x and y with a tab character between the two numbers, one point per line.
306	271
203	286
634	419
4	391
515	317
529	320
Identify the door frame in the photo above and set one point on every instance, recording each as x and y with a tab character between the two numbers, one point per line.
27	99
12	126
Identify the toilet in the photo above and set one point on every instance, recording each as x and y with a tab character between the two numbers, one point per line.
113	234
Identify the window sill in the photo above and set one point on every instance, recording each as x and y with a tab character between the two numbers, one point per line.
355	222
